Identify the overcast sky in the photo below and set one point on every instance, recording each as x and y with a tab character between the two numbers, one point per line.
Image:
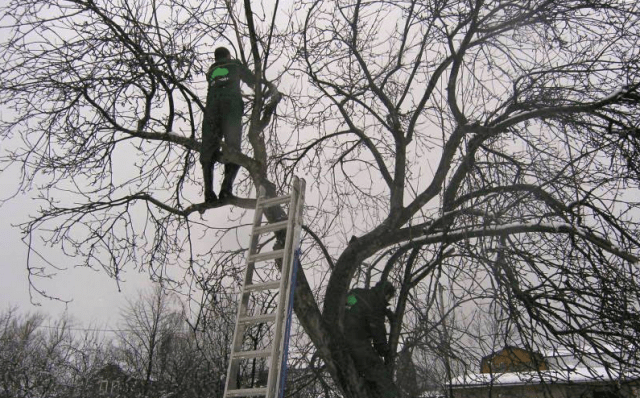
95	299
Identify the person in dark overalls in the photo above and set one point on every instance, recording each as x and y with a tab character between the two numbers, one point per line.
223	119
366	336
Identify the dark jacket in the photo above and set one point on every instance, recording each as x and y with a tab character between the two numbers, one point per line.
224	78
364	317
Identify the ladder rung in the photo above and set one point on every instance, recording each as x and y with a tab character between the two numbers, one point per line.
258	318
262	286
278	200
276	226
254	258
247	392
252	354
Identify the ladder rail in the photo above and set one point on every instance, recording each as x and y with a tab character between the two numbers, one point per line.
285	284
286	296
282	378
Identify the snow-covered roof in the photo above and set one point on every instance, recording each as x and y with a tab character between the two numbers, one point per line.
558	352
579	375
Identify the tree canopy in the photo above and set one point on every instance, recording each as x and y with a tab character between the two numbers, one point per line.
487	147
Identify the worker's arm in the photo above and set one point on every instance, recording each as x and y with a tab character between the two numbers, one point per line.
246	75
377	328
390	315
250	79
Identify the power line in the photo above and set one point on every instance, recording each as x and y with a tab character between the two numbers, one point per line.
78	329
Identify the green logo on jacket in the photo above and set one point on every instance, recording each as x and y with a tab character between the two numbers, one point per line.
219	72
351	300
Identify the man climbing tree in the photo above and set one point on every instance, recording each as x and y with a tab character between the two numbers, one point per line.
366	335
223	118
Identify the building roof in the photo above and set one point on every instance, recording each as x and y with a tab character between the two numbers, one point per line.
584	348
579	375
509	348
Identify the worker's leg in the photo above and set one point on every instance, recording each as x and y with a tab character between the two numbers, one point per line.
384	381
372	369
211	133
207	175
230	172
233	138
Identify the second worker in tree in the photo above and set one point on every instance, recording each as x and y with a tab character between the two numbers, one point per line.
366	336
223	119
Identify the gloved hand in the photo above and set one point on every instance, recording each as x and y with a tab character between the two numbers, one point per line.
390	315
382	349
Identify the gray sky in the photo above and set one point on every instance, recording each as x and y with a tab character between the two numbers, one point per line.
95	299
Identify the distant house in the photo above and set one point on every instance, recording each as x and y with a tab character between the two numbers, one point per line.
113	382
515	372
109	381
513	359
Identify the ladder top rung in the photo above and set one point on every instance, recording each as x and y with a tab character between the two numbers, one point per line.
278	200
247	392
266	228
275	284
252	354
254	258
258	318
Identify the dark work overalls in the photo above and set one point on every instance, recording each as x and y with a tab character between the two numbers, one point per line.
367	338
223	119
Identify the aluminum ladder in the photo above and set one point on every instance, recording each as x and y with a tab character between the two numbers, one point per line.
273	350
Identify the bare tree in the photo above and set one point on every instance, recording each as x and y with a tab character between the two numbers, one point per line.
489	146
89	353
33	355
150	335
169	351
209	335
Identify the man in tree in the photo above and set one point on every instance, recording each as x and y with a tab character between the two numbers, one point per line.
223	118
367	337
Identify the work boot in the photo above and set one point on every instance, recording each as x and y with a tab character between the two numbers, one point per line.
226	188
225	194
210	197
